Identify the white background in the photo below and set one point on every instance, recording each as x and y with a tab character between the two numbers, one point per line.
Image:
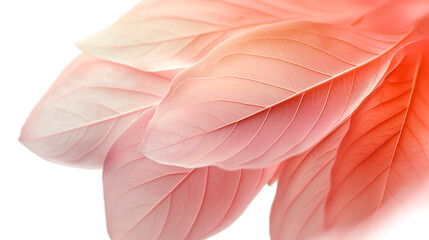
42	200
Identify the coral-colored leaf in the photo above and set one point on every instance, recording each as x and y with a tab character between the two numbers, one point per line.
387	148
276	174
168	34
299	206
87	109
269	94
148	200
394	15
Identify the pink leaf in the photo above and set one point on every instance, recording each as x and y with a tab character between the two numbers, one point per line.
88	107
394	15
386	151
269	94
147	200
167	34
299	206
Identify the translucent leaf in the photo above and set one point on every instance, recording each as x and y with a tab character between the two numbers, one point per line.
148	200
88	107
269	94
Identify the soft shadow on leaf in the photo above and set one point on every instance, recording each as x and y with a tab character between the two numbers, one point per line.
169	34
298	210
269	94
148	200
387	148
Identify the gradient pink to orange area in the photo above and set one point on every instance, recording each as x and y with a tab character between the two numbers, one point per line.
191	107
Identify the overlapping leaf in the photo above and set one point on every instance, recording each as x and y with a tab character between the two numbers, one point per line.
88	108
381	162
269	94
387	148
293	90
147	200
167	34
298	211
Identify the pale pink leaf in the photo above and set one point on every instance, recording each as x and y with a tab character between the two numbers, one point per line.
269	94
298	211
148	200
386	151
88	107
167	34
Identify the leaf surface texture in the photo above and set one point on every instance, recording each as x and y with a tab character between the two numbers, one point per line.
88	107
269	94
148	200
168	34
